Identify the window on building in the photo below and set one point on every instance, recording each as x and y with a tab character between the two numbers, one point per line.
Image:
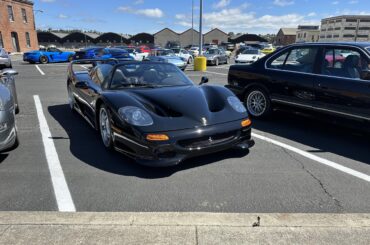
348	35
337	28
351	20
364	20
363	28
349	28
10	13
28	40
363	36
1	41
24	16
304	35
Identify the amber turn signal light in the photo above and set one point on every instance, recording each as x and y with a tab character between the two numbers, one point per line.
246	123
157	137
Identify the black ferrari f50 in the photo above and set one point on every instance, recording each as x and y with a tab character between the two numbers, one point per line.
153	113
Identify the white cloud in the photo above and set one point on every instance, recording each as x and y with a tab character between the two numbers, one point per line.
221	4
151	13
312	14
180	16
137	2
62	16
283	3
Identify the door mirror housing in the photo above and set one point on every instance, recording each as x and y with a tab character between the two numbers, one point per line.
365	75
203	80
8	72
82	85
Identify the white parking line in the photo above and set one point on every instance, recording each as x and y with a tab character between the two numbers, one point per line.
217	73
62	195
315	158
38	68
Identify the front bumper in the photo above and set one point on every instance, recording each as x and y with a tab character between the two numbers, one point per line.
5	61
184	144
245	61
7	129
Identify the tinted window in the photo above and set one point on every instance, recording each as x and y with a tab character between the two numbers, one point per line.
100	73
278	62
251	51
212	51
343	63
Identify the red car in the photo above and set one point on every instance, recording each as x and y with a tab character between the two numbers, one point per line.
144	49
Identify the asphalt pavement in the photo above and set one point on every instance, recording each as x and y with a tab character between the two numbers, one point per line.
316	168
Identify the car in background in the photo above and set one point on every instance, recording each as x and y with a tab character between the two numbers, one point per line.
242	48
194	51
228	46
48	55
102	53
183	54
299	76
228	52
216	56
5	61
168	56
8	109
137	54
153	113
268	50
144	49
249	56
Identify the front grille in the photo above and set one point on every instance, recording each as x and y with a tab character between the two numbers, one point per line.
205	141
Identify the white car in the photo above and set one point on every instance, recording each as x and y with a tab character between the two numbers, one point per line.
183	54
5	61
249	56
137	54
194	51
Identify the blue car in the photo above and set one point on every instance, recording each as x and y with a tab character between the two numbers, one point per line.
102	54
49	55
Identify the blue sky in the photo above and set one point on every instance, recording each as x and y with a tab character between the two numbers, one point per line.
134	16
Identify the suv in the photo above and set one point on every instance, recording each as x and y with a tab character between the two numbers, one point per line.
332	78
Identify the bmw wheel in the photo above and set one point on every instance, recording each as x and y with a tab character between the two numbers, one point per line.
257	102
105	128
44	60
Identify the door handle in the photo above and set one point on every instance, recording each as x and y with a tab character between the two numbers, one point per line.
322	86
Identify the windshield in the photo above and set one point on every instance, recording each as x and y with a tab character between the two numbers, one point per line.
148	75
368	50
250	51
212	51
166	52
176	50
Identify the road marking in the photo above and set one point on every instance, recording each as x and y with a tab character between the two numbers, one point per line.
217	73
315	158
62	195
38	68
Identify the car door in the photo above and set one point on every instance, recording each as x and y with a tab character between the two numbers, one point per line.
341	87
291	74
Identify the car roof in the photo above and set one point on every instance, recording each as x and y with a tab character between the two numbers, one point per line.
357	44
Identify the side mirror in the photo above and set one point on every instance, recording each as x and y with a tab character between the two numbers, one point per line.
203	80
82	85
8	72
365	75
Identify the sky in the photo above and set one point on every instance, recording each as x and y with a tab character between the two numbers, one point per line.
244	16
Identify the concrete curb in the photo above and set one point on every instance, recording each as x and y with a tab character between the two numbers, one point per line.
182	228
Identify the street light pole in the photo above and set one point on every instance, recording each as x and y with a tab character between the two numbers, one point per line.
200	28
192	23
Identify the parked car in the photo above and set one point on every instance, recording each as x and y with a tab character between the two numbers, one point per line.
242	48
102	53
249	56
167	55
137	54
300	76
8	109
48	55
183	54
143	49
228	46
216	57
153	112
194	51
268	50
5	61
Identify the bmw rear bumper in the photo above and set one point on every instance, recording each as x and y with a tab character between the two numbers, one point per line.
184	144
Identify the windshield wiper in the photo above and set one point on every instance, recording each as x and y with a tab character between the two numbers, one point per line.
147	85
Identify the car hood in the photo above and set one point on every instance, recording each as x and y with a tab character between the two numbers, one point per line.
180	107
247	56
210	55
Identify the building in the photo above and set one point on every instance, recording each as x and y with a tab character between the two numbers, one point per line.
247	39
189	37
17	26
215	36
165	36
345	28
286	36
307	34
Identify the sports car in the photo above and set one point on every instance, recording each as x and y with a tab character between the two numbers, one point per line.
152	112
102	53
49	55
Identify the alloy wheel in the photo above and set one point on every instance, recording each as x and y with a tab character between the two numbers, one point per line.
256	103
105	129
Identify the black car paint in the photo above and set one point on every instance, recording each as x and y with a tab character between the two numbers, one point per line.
182	112
324	93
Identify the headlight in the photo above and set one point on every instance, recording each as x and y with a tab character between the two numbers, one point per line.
254	57
236	104
135	116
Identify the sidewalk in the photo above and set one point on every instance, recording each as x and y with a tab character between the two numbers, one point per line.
182	228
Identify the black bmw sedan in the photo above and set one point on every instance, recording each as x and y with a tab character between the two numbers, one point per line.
332	78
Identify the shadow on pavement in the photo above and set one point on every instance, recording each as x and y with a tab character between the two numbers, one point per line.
320	132
3	157
85	144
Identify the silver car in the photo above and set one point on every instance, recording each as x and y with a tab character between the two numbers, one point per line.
5	61
216	56
8	109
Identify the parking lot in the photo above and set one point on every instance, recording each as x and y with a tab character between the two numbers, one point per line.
298	164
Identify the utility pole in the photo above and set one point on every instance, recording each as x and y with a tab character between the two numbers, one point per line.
192	22
200	28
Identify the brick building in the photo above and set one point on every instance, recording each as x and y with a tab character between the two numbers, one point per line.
17	26
286	36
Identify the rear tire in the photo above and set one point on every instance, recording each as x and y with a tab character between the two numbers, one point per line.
217	62
190	60
105	127
44	60
257	102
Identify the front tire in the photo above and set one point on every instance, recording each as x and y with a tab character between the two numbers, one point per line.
105	127
190	60
217	62
44	60
257	102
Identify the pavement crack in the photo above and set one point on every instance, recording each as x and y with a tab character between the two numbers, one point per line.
6	229
196	235
327	193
